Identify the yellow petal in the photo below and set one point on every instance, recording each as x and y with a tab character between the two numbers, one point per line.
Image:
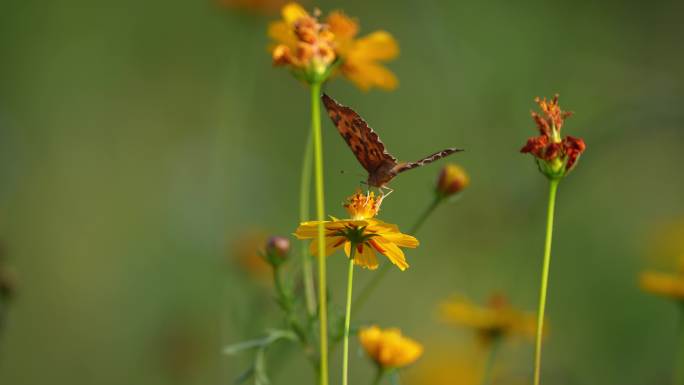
307	230
379	45
341	25
366	74
366	258
401	240
292	12
391	251
282	33
331	245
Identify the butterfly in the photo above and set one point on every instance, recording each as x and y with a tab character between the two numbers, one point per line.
369	150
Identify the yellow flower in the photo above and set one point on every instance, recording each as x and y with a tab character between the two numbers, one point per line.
370	235
388	348
498	319
302	43
361	58
666	285
306	45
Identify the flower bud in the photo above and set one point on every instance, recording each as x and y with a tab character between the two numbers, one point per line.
277	249
452	180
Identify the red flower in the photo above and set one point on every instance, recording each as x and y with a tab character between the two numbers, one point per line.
557	156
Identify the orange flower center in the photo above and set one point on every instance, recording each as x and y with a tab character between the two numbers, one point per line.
360	206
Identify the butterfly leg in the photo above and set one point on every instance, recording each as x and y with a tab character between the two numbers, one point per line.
385	195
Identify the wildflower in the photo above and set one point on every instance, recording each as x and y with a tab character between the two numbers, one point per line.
313	49
497	319
452	180
388	348
303	44
555	156
277	249
369	235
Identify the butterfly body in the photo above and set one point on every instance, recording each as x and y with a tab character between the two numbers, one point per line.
369	150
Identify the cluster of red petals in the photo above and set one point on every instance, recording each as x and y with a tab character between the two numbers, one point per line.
542	146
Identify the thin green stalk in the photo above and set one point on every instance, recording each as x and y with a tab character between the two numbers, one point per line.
679	364
347	317
380	375
304	201
553	187
320	216
370	286
491	359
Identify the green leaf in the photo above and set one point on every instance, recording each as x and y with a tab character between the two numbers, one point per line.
272	336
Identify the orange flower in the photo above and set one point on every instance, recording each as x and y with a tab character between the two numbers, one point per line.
388	348
370	235
313	49
555	156
662	284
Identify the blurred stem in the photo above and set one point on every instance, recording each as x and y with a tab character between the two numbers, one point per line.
380	375
320	217
679	364
491	359
372	285
285	301
347	317
304	201
553	187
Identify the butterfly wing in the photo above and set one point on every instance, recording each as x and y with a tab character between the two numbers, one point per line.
427	160
361	139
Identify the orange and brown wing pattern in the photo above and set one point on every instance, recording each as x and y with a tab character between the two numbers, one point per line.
361	139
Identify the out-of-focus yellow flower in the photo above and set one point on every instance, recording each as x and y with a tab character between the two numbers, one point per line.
497	319
388	348
666	285
314	48
370	235
668	249
448	369
361	58
452	180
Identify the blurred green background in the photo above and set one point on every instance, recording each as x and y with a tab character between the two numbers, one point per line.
139	139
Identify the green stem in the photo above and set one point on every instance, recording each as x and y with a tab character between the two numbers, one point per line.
679	364
347	317
491	359
553	187
380	375
304	201
385	268
320	217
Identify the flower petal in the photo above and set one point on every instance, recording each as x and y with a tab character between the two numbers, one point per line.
365	257
292	12
282	33
341	25
391	251
331	245
367	74
379	45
